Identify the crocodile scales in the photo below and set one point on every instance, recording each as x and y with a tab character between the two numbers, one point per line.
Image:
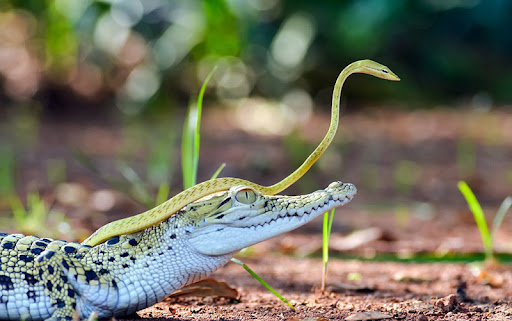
43	279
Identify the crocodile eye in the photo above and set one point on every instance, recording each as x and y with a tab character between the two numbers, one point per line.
246	196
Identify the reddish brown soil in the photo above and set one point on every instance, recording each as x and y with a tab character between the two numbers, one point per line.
401	291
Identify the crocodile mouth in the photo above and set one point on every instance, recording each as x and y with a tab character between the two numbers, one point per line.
277	215
300	215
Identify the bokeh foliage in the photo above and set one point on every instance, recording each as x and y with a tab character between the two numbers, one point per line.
145	55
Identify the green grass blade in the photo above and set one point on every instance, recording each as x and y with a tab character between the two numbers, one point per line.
18	211
37	209
190	142
325	238
217	172
326	233
187	148
197	136
163	193
265	284
479	216
500	214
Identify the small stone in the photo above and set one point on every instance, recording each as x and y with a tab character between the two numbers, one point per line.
447	304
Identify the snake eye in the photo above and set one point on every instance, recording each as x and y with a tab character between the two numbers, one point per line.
246	196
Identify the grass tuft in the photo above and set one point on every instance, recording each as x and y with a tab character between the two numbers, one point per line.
481	222
34	218
28	220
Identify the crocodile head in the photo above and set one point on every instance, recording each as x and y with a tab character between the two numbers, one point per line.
240	217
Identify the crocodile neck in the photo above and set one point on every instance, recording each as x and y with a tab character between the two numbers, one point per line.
145	268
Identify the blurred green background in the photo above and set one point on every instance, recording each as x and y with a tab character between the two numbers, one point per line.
93	97
139	57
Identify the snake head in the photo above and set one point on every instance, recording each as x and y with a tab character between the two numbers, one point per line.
243	217
376	69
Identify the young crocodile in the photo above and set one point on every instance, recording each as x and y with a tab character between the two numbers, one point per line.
42	279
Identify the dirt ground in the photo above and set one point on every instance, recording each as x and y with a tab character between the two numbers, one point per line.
421	214
398	291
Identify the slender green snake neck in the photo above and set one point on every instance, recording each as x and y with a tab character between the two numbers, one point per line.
162	212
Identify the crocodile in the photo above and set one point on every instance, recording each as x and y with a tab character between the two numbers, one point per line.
45	279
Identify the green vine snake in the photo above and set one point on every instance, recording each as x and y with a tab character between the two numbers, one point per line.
163	211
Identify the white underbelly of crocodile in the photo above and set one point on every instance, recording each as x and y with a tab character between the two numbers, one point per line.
24	302
138	284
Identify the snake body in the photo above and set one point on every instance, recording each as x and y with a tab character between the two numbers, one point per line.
162	212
